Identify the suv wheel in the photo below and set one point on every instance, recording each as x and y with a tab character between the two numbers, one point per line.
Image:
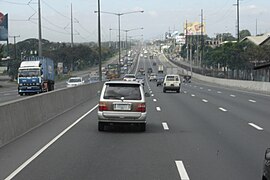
178	91
100	126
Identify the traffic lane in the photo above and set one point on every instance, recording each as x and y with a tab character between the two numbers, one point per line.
201	133
235	93
251	112
18	151
121	153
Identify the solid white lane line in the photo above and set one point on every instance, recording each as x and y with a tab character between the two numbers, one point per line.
193	95
158	108
154	100
222	109
181	170
165	126
219	92
21	167
256	126
232	95
204	100
251	100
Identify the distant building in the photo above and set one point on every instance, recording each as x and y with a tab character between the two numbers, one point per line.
258	40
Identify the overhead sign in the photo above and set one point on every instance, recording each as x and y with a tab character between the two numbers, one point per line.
194	28
3	27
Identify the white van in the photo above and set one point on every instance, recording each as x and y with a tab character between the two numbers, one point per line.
172	82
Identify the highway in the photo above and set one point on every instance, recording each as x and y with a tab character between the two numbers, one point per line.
206	132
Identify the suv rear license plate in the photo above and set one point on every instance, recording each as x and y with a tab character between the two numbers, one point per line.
122	107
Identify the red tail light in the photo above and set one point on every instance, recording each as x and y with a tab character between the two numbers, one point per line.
141	107
102	106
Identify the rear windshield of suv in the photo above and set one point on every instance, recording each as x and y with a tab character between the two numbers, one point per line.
128	91
172	78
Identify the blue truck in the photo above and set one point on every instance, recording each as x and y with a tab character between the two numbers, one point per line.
35	75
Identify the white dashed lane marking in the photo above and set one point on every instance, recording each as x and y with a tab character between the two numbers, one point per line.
185	92
222	109
154	100
193	95
209	90
219	92
165	126
181	170
232	95
152	95
201	87
158	108
204	100
251	100
256	126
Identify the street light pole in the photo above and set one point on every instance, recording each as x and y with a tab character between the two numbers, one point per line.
99	42
119	27
119	43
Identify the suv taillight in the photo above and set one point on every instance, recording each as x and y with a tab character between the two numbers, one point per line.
141	107
102	106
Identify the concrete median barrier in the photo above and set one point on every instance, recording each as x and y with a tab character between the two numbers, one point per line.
20	116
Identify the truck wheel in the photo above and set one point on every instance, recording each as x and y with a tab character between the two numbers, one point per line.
178	91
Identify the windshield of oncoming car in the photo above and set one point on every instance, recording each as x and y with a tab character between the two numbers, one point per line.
128	91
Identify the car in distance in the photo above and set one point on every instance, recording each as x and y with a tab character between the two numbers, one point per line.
122	102
172	82
129	77
75	81
160	79
140	78
266	165
149	70
153	77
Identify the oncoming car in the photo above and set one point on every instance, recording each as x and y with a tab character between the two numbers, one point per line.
122	102
75	81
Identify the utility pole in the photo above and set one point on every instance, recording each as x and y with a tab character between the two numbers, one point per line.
202	38
39	31
99	43
256	27
15	48
71	26
238	20
187	42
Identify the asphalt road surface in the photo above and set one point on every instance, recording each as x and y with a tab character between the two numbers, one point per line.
203	133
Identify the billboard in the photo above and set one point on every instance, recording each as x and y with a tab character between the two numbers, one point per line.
3	27
194	28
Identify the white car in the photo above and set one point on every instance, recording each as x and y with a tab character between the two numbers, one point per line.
172	82
129	77
75	81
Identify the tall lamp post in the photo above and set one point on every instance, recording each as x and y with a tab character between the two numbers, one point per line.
119	27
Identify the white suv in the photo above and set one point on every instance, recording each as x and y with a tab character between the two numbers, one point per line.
122	102
172	82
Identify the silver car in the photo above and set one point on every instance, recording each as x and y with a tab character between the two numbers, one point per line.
122	102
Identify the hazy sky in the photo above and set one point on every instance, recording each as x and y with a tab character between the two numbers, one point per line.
159	16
